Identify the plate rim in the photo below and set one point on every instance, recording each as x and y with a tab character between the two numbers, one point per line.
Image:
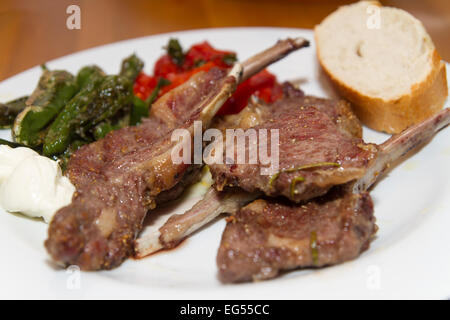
224	291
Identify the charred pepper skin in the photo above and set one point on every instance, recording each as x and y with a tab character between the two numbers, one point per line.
54	90
120	120
64	157
102	98
114	95
10	144
131	67
10	110
64	109
175	52
85	74
59	134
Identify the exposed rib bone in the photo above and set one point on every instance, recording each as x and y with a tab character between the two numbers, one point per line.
399	145
250	67
214	203
179	226
271	55
76	234
257	245
211	206
210	111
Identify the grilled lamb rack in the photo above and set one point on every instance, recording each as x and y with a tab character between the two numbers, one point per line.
335	116
180	226
266	237
320	146
389	152
119	178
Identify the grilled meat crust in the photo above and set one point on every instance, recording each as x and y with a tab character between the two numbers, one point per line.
268	236
119	178
257	113
311	131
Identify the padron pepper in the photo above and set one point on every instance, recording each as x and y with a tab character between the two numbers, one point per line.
114	94
60	132
54	90
131	67
10	110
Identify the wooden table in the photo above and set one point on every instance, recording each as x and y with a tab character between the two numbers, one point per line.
34	31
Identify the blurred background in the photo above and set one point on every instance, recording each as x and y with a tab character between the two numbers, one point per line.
34	31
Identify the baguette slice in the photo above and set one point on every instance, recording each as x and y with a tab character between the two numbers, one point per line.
384	62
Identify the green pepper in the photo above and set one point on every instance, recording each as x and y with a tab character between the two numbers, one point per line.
61	130
141	108
63	158
229	59
102	129
115	94
10	110
175	52
101	100
84	75
120	120
139	111
54	90
10	144
131	67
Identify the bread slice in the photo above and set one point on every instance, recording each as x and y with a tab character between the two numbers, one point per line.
384	62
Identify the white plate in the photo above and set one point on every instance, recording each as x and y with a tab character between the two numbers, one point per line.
410	258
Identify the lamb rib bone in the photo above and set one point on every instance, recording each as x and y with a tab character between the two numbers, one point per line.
117	183
399	145
150	243
266	237
258	62
180	226
213	204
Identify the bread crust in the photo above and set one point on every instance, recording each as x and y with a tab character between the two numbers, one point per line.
395	115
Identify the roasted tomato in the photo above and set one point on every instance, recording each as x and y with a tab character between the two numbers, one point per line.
203	57
144	85
203	52
165	66
263	84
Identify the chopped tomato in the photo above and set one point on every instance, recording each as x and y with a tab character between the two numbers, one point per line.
270	94
179	78
164	66
260	84
204	52
144	85
203	57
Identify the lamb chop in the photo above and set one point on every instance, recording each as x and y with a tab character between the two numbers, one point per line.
395	149
118	179
319	147
266	237
335	117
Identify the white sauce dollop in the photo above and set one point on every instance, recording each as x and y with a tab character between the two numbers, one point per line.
32	184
